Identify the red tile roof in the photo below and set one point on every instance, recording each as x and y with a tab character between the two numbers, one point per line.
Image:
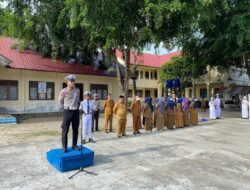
30	60
152	60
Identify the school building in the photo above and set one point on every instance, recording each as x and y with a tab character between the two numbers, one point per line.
30	83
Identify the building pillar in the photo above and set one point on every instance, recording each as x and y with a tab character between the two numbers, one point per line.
159	91
208	90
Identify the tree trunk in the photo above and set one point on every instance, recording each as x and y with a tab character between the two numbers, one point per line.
193	87
127	73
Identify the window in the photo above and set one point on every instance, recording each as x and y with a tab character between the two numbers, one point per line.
79	86
156	75
152	73
130	93
203	93
8	90
137	74
216	90
156	93
147	93
139	93
141	74
190	93
39	90
147	75
100	89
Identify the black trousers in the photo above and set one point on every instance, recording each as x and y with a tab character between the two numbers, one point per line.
70	116
95	119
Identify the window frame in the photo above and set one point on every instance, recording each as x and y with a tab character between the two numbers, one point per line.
48	85
147	77
106	87
8	84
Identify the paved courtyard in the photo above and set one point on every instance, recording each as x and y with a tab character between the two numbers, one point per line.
214	155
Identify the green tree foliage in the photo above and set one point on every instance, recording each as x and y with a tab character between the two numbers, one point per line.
222	33
44	26
215	33
127	25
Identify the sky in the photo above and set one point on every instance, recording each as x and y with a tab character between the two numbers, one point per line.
159	51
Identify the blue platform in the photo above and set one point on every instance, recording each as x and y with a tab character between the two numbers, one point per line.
7	119
71	160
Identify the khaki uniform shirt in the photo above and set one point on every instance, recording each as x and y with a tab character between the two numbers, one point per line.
147	111
120	110
108	106
136	108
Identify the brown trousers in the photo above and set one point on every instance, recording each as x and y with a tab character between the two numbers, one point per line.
148	124
186	118
159	120
121	127
194	117
108	118
136	122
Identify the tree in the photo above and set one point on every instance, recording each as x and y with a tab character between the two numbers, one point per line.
126	25
43	25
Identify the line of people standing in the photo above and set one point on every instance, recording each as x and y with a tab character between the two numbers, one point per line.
170	113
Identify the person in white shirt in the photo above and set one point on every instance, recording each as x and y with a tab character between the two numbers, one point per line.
212	114
217	102
87	108
244	107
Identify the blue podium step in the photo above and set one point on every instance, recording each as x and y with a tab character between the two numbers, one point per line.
71	160
7	119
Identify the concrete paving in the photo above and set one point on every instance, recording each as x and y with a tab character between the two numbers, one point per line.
214	155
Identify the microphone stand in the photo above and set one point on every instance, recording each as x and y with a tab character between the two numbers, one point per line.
81	169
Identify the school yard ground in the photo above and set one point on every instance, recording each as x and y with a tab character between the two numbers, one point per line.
214	155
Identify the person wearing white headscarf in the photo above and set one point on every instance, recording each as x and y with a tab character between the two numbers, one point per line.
217	102
212	114
244	108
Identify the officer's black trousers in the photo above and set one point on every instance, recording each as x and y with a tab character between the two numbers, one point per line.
70	116
95	119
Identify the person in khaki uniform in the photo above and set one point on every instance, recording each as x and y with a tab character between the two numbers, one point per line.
186	117
159	114
193	108
148	114
179	123
108	106
170	113
136	115
121	116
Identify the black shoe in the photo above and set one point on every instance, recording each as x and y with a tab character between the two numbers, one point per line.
65	150
124	135
138	132
75	148
111	131
83	141
96	129
134	133
91	140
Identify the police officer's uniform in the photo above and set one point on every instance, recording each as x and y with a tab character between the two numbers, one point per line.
69	103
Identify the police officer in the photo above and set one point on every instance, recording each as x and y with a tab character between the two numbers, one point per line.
87	108
69	102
